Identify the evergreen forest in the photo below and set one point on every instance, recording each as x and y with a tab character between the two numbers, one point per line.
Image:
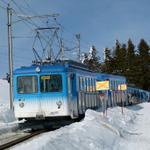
127	60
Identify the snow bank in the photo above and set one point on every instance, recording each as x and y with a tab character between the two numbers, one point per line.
8	121
7	118
139	138
95	132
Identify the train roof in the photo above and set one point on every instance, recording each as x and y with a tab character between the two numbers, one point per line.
105	76
61	66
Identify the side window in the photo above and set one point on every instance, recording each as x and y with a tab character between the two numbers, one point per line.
91	85
83	84
51	83
94	85
86	84
110	84
117	85
80	84
114	85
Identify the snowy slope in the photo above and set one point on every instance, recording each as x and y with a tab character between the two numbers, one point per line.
116	131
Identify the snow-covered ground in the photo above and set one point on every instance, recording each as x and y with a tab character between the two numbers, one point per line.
97	131
116	131
8	122
7	119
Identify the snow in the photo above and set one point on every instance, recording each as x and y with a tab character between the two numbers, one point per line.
8	122
98	131
4	91
140	139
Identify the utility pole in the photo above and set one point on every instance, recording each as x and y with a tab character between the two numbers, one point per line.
62	50
10	54
79	52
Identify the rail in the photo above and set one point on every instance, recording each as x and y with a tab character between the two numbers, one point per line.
22	139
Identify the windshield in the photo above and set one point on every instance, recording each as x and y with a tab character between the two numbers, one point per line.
51	83
27	84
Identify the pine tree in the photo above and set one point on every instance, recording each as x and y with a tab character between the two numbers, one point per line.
131	59
130	53
119	60
92	60
134	64
144	64
107	66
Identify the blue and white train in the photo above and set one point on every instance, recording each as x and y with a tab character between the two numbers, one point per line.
64	89
50	90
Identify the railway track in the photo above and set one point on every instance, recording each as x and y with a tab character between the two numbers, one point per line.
16	139
21	139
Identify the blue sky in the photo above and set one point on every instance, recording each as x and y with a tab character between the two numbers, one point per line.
99	22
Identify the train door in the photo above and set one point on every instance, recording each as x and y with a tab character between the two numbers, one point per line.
52	97
72	95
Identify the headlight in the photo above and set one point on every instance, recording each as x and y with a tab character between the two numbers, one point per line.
21	104
59	103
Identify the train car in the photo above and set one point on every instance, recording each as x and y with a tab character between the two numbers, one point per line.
54	90
113	88
136	95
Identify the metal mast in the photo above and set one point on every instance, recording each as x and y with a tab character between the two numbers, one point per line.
62	50
79	52
10	54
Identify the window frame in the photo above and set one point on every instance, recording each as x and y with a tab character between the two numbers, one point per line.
48	92
36	84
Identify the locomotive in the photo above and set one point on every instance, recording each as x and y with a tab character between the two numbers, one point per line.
61	89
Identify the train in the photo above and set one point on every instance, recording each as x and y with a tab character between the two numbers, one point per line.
62	89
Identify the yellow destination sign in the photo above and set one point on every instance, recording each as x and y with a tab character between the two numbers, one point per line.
45	77
102	85
122	87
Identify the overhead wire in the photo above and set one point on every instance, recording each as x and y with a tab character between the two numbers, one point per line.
26	22
31	9
4	2
14	55
36	25
55	22
73	34
3	7
22	48
21	17
32	23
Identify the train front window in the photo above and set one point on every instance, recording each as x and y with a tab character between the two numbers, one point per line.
51	83
27	84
